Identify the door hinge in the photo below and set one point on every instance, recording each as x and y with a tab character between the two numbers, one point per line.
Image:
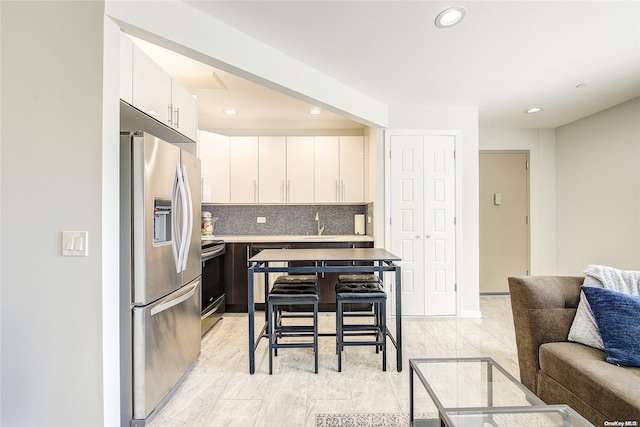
527	219
454	220
455	287
454	154
528	273
526	165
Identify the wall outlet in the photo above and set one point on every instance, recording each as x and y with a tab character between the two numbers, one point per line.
262	219
369	219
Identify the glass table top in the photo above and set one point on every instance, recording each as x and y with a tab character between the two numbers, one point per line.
471	383
538	416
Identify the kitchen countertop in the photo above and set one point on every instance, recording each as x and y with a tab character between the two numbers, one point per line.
292	238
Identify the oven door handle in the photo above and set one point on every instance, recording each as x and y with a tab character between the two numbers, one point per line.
206	256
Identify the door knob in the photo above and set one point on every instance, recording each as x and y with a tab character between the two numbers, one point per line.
417	236
428	236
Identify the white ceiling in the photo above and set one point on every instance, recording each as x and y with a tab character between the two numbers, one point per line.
505	57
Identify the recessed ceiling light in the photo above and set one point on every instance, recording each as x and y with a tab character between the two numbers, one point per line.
315	111
153	113
230	111
581	85
533	110
450	16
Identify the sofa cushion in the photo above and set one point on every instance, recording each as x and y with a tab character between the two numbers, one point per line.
610	389
618	318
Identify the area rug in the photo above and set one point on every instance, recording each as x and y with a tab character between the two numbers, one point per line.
362	420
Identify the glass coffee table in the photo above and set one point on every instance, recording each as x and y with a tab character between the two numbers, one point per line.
465	392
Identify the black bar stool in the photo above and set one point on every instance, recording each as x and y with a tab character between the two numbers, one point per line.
287	292
366	293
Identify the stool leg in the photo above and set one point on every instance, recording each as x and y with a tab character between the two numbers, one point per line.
377	322
383	325
270	327
315	333
339	332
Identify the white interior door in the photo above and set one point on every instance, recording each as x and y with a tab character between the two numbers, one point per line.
422	199
440	236
407	218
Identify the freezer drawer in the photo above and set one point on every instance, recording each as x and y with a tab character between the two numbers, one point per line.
166	341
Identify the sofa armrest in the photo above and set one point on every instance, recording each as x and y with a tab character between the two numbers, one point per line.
543	309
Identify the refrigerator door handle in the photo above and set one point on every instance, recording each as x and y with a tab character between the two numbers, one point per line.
185	294
175	238
182	216
188	218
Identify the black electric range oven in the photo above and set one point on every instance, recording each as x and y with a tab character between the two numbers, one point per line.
213	297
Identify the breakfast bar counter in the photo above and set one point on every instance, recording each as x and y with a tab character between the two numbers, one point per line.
340	260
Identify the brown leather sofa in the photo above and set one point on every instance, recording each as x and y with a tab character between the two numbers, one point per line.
559	371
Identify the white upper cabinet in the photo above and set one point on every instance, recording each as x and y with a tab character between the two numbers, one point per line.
300	169
272	168
243	164
352	169
327	169
151	88
146	86
214	155
185	111
278	169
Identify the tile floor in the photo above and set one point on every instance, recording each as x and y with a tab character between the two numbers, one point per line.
220	392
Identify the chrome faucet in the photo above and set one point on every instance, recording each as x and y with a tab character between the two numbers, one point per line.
320	229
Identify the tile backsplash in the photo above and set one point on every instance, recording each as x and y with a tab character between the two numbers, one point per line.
288	219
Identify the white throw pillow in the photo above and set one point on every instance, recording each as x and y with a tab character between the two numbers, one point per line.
584	329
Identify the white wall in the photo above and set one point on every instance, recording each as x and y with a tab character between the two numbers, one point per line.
598	190
462	119
541	146
52	180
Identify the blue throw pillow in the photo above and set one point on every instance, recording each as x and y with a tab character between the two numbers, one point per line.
618	318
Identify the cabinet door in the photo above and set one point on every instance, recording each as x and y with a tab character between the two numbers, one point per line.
300	169
352	169
185	110
235	277
126	69
272	167
214	155
326	170
151	87
243	156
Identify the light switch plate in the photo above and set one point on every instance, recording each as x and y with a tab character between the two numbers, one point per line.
75	243
262	219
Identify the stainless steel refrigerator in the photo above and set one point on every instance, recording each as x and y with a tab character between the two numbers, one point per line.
160	270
